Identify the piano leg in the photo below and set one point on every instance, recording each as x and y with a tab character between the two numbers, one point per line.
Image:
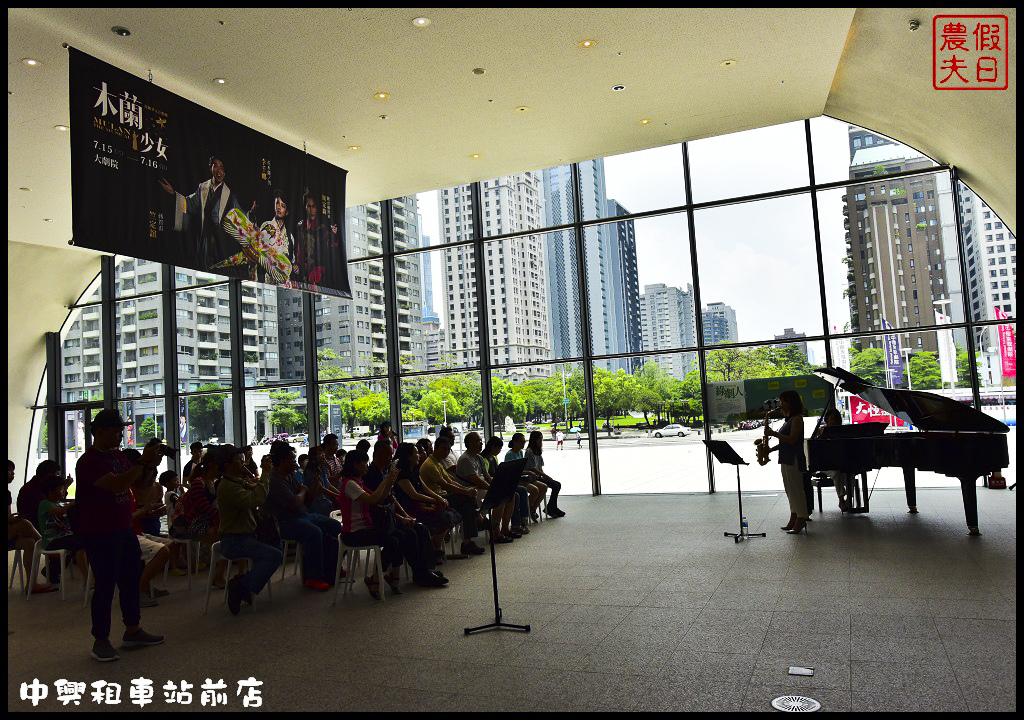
970	491
910	483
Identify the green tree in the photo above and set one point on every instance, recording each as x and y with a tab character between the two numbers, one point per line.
283	414
963	367
374	408
869	364
206	414
507	400
924	371
148	430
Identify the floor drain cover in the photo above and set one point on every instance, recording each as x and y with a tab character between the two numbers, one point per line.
796	703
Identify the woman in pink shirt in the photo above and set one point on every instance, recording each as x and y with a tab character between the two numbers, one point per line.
357	524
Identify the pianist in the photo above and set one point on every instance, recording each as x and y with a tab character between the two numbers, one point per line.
833	418
791	458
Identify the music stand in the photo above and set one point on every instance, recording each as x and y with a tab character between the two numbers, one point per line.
503	487
724	453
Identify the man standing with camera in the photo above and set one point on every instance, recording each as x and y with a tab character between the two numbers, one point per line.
104	519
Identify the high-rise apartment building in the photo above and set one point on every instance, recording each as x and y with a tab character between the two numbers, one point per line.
668	322
991	259
627	290
901	241
719	322
427	285
517	296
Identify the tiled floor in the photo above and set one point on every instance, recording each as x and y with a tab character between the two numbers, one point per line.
635	603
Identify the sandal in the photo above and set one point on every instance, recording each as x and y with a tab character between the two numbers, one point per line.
373	586
393	584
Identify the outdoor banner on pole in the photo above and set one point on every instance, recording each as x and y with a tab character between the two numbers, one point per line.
893	357
947	351
1007	347
840	351
158	177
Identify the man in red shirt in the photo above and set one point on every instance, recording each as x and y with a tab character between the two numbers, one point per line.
104	521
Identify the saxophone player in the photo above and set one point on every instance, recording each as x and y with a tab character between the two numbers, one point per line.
792	460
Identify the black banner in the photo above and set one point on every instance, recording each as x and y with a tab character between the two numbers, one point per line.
156	176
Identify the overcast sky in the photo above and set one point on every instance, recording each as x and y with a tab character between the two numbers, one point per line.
756	257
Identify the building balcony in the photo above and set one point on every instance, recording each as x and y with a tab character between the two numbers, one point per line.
206	327
205	345
207	361
91	333
206	292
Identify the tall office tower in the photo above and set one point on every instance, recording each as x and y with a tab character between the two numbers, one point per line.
991	259
517	297
353	330
668	321
427	284
901	241
610	262
433	339
628	285
719	324
791	334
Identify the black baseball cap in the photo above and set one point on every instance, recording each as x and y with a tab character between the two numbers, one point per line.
109	418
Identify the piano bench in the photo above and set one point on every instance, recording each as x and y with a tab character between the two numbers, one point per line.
820	480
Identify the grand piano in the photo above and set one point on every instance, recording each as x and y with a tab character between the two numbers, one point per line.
955	440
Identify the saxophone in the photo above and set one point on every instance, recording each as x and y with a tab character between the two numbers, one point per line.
763	451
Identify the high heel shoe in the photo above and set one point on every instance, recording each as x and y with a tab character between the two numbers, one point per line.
393	584
801	524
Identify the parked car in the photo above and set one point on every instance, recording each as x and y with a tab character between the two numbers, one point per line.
673	429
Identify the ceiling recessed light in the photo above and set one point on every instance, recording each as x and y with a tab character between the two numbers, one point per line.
645	121
219	81
62	128
25	189
618	88
31	62
382	96
120	31
475	156
383	117
355	147
421	21
727	63
479	71
522	109
587	44
47	219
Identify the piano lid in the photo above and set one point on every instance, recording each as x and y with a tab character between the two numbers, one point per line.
923	410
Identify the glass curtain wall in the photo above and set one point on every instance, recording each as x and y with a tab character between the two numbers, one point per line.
610	304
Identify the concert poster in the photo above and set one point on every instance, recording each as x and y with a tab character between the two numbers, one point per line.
158	177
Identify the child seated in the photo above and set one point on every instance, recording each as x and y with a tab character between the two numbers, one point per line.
53	522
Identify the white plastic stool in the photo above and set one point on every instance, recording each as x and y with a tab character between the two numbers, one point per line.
214	557
353	558
188	543
284	557
37	554
19	567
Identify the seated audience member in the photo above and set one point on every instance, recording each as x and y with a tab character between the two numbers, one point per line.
461	498
288	502
342	452
31	493
104	476
534	487
172	488
421	502
53	523
386	433
389	514
172	493
195	515
452	457
250	465
515	523
334	459
197	449
155	553
325	493
148	493
471	471
363	446
22	535
300	471
358	525
535	465
238	498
